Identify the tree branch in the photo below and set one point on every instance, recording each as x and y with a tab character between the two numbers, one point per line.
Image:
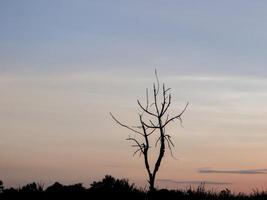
147	100
155	101
157	78
177	116
145	110
150	126
168	105
125	126
140	146
151	132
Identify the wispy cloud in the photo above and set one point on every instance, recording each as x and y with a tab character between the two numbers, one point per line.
249	171
194	182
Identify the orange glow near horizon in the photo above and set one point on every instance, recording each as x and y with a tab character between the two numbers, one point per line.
65	134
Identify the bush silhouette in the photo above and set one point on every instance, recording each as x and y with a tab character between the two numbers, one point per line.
110	184
55	188
1	186
59	188
32	188
112	188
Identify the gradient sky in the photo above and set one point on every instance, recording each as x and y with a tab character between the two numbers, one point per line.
65	64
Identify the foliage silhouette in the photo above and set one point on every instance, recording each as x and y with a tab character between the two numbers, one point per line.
110	184
112	188
1	186
32	188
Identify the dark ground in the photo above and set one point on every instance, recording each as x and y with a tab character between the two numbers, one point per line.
112	188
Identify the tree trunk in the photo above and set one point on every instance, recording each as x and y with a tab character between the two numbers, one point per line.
151	183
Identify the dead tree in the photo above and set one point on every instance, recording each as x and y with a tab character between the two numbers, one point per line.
153	122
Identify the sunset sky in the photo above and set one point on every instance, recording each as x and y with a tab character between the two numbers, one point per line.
64	65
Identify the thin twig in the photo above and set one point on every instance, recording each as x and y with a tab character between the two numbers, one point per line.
147	100
177	116
145	110
157	78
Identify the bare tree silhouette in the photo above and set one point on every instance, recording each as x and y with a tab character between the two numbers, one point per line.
153	121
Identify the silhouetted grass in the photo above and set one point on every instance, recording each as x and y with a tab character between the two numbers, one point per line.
112	188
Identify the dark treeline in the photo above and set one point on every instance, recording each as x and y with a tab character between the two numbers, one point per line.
112	188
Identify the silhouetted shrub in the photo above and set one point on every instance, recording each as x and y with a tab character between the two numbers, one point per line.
1	186
55	188
32	188
112	188
76	188
59	191
110	184
10	191
119	189
226	193
256	194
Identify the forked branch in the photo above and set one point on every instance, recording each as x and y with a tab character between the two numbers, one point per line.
125	126
177	116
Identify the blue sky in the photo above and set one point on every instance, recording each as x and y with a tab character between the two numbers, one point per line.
188	37
65	64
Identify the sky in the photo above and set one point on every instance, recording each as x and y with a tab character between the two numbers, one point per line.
64	65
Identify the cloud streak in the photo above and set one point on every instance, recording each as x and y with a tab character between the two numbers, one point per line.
194	182
215	171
